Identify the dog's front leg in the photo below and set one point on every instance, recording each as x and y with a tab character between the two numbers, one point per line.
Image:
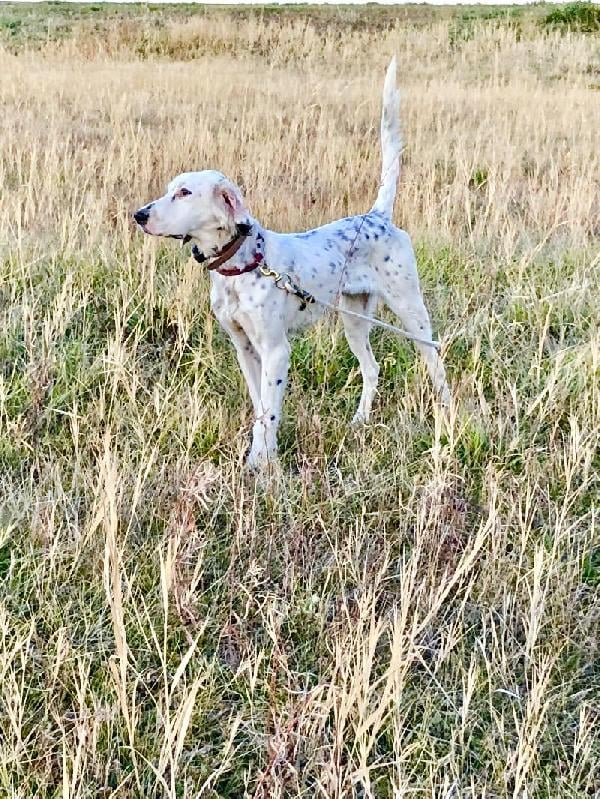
247	356
275	360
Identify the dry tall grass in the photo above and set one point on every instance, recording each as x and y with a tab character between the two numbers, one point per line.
413	611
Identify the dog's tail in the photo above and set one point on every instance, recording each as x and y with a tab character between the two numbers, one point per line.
391	143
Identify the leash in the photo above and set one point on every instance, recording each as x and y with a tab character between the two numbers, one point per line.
285	283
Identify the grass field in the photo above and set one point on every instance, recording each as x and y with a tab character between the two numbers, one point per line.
411	610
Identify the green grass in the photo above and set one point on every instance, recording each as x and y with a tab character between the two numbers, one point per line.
408	609
27	24
584	17
282	585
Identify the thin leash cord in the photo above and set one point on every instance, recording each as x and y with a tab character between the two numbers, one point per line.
285	283
378	323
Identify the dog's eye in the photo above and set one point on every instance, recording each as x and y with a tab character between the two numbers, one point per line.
183	192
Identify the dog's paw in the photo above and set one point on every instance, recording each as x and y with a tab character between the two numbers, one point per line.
265	473
260	460
253	466
359	420
445	398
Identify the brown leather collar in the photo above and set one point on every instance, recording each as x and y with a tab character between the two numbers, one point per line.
227	252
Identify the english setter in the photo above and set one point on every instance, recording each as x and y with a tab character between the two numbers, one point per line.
357	261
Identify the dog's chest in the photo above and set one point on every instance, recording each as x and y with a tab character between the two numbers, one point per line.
252	302
263	309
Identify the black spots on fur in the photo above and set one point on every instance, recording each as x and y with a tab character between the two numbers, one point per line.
388	273
273	417
374	222
387	258
307	235
279	381
376	236
367	236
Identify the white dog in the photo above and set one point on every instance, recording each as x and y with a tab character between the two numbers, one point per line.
357	261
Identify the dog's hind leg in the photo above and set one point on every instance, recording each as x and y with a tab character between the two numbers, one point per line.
400	289
357	334
409	306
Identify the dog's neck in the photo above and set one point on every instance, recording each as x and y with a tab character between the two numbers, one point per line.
243	253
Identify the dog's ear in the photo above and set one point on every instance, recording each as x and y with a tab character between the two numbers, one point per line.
231	198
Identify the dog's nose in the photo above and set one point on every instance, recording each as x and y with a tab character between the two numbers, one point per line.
141	216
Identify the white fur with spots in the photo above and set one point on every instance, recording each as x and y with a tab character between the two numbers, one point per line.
360	260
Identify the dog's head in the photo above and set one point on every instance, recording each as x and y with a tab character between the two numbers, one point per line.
205	206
